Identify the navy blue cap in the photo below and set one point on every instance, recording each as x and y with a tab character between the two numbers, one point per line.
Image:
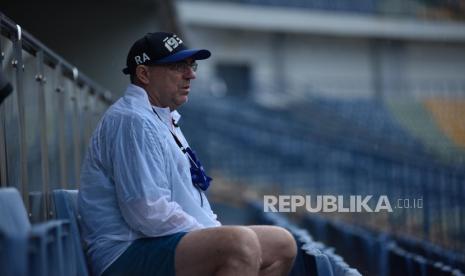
160	48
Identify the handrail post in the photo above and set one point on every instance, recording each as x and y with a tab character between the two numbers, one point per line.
40	78
19	66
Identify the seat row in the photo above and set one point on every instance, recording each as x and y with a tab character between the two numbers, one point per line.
382	254
44	249
313	258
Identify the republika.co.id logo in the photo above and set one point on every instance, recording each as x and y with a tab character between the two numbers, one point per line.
340	203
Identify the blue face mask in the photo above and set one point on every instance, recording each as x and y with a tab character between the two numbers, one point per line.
199	178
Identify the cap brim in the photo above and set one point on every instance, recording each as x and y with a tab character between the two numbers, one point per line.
197	54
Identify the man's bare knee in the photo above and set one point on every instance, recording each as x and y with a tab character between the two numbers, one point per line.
230	250
242	248
277	243
287	243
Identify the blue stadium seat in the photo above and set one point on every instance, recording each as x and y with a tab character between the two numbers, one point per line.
431	252
14	215
46	250
14	229
323	265
313	258
37	249
66	208
13	254
303	265
36	201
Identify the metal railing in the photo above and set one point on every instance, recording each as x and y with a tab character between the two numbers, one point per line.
46	122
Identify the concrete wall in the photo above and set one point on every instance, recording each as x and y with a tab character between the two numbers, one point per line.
436	68
296	64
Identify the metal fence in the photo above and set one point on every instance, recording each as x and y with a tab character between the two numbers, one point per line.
46	122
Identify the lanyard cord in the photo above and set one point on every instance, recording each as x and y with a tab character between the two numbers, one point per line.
176	139
192	162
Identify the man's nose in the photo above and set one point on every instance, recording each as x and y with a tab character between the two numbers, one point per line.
190	74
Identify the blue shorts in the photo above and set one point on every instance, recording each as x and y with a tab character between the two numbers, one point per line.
147	256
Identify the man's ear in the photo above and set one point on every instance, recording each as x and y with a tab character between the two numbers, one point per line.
142	74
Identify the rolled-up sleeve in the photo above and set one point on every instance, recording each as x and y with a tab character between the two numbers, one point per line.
142	187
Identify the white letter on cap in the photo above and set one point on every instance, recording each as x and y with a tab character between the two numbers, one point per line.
137	59
145	57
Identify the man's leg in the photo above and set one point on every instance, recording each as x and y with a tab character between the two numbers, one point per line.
235	250
278	247
225	250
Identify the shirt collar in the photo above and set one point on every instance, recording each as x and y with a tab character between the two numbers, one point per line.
176	116
139	95
167	117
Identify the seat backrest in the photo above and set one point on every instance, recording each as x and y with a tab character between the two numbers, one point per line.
13	255
46	254
37	203
66	208
14	219
14	229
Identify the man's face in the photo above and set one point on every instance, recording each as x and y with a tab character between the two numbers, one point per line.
169	85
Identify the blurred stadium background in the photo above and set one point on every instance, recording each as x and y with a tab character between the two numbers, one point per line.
304	97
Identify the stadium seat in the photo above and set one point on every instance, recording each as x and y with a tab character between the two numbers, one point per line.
66	208
313	258
323	265
38	249
46	249
449	115
13	255
37	203
14	215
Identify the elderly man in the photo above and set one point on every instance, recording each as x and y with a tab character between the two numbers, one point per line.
142	201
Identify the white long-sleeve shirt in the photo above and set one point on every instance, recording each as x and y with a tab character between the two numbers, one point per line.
135	181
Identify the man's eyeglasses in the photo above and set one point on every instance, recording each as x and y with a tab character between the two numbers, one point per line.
182	66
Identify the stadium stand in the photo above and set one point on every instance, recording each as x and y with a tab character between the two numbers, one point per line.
326	148
449	114
32	241
314	258
379	253
412	116
316	146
